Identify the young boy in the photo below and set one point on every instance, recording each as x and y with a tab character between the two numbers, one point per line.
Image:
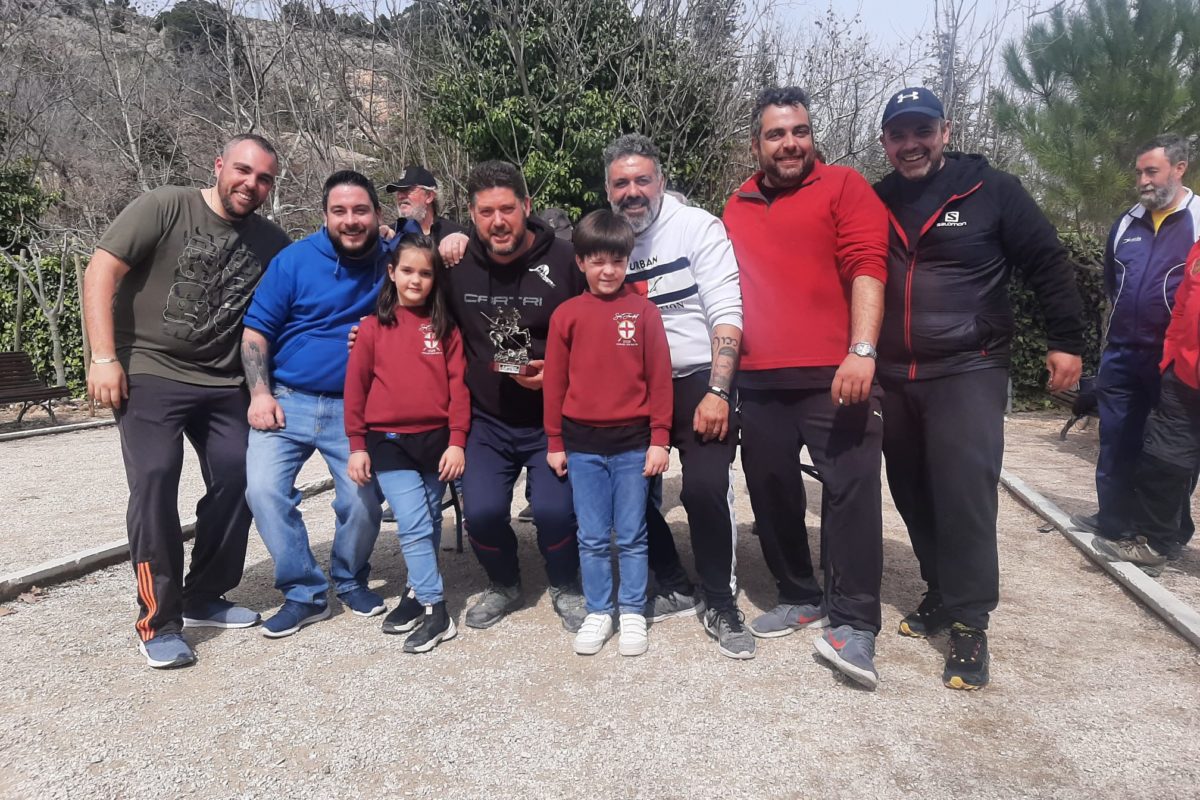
607	395
1171	451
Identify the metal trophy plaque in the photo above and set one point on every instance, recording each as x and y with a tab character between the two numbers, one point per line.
511	343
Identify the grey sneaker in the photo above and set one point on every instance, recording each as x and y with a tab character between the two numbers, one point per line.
1135	550
219	613
167	650
493	605
786	618
851	652
569	604
726	627
672	603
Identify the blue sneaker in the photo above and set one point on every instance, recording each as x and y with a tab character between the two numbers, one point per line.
363	602
292	617
167	650
851	652
219	613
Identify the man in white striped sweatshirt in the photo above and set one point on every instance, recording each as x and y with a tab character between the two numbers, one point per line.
683	261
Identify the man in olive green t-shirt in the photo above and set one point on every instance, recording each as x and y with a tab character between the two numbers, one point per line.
164	295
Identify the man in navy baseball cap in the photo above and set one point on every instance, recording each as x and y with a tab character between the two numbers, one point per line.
913	100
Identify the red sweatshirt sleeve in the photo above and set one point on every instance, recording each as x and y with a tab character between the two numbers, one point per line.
657	355
358	384
460	398
862	231
554	381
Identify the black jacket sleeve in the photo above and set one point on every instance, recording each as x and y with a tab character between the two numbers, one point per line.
1031	245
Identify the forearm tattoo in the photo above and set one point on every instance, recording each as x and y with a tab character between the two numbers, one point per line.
254	364
724	364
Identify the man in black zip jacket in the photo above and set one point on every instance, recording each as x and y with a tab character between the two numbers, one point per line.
513	262
958	230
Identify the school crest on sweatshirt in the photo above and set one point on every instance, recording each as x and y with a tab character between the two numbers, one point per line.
432	345
626	328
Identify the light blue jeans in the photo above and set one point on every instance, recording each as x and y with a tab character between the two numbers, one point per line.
313	423
609	493
416	500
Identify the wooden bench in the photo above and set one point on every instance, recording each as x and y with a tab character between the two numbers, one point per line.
20	384
1080	401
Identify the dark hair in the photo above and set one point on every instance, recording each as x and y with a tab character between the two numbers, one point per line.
348	177
385	306
776	96
603	232
632	144
1174	145
496	175
261	141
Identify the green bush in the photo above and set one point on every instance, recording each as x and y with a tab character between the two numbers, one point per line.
35	331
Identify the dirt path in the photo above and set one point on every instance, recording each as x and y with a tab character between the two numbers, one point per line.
1092	697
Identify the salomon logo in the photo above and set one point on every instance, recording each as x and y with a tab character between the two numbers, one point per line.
951	221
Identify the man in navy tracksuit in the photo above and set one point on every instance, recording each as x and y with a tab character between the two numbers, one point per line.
959	229
1143	266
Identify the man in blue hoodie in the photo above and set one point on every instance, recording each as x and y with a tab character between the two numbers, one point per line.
294	356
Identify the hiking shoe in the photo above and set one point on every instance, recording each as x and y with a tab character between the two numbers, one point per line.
526	515
167	650
967	659
219	613
1135	550
673	603
388	514
733	639
593	633
633	641
493	605
405	616
929	618
293	616
1089	523
363	602
851	652
787	618
569	604
436	627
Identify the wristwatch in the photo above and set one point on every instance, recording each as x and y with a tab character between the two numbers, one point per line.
864	349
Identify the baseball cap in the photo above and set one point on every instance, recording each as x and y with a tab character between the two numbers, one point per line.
913	100
410	177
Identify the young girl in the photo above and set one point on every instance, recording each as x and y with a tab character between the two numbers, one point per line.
407	414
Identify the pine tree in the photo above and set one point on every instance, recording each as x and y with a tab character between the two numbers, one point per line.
1091	86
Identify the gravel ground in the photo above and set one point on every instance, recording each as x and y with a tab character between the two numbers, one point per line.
1092	696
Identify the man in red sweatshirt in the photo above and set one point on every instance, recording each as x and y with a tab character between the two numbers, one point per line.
811	244
1171	445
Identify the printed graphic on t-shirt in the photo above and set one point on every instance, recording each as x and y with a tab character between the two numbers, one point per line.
626	328
433	345
212	288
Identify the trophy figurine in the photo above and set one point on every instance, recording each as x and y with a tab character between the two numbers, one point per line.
511	343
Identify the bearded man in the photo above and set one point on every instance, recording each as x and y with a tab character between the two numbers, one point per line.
294	356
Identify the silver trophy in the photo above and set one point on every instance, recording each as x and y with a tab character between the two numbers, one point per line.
511	343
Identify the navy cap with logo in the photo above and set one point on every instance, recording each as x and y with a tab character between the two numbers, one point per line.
913	100
412	176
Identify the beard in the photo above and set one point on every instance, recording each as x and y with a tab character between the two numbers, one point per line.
1159	198
639	222
413	211
786	177
225	195
354	252
516	240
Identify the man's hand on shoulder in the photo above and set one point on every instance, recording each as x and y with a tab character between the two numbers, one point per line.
1065	369
265	413
453	248
852	381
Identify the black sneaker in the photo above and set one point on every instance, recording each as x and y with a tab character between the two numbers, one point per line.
967	660
405	616
436	627
929	618
1089	523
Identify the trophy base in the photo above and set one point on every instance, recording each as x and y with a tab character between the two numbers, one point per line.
523	370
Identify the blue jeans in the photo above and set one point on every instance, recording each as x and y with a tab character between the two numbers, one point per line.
609	493
313	422
416	500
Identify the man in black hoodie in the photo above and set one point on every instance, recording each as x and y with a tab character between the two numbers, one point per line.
958	229
513	262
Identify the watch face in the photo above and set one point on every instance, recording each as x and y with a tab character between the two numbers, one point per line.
865	350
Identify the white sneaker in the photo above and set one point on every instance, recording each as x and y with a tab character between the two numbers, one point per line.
633	635
593	633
